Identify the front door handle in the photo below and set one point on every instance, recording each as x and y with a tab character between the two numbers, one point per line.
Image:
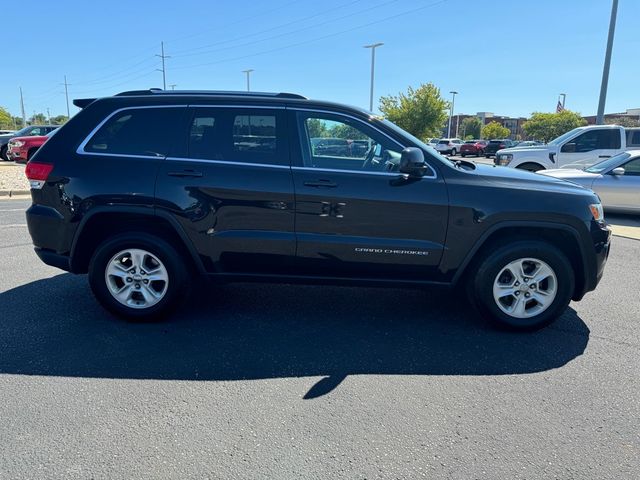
185	173
604	156
321	183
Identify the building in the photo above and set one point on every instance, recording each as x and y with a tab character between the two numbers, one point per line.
514	124
631	114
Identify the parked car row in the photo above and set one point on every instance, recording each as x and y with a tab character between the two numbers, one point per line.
488	148
25	142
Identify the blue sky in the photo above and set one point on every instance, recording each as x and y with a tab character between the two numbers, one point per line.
510	57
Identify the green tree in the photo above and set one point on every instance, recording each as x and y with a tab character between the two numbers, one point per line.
317	128
38	119
421	112
495	130
18	123
471	127
6	120
547	126
59	120
341	130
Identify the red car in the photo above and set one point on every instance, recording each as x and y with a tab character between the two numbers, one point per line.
21	149
473	147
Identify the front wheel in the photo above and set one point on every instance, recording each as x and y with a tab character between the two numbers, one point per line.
454	152
137	276
530	167
524	285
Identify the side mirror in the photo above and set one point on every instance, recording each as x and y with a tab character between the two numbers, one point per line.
568	148
617	171
412	162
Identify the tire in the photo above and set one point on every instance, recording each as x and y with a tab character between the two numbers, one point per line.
158	256
3	153
493	274
463	155
487	156
453	152
530	167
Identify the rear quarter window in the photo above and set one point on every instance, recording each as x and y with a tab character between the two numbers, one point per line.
136	131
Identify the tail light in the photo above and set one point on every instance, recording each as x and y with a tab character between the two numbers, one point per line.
502	145
37	174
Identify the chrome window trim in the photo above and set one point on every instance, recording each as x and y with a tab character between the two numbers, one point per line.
81	151
340	114
259	107
337	170
227	162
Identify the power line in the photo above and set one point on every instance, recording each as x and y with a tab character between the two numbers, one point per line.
180	53
285	47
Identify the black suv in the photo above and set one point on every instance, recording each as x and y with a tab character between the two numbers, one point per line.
494	145
146	189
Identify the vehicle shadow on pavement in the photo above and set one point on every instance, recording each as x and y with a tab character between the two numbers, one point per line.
54	327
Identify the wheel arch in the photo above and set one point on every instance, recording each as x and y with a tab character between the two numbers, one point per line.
103	222
564	237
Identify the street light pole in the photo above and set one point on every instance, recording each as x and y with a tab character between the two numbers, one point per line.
373	47
607	64
453	102
248	73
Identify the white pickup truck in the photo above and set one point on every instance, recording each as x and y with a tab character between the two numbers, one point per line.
578	148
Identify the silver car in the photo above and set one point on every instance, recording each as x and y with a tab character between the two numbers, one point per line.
615	180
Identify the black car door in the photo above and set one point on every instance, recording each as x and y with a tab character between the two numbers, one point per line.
229	185
356	215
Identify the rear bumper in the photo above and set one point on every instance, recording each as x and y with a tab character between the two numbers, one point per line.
53	259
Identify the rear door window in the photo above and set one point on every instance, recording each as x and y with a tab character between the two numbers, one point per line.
137	131
238	135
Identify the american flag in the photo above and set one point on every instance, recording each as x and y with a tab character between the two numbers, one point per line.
559	107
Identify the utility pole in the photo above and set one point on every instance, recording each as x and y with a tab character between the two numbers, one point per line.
24	116
163	69
49	115
453	102
373	47
66	94
248	74
564	97
607	64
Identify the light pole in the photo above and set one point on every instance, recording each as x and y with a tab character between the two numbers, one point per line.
607	64
248	73
373	47
453	102
564	97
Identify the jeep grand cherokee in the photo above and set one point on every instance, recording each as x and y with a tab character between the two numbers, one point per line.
146	190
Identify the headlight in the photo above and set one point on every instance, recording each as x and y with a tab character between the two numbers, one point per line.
597	212
504	158
17	144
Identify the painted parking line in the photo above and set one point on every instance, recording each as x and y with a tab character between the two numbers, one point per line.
626	231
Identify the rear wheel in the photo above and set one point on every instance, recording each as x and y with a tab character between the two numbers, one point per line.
524	285
454	152
137	276
463	155
3	152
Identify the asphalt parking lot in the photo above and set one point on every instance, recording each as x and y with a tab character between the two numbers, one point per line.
278	381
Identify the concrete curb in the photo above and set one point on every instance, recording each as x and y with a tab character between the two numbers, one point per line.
14	193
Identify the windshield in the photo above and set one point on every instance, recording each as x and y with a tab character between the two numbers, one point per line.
22	131
564	136
609	163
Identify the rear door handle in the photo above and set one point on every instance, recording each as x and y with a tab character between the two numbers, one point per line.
321	183
604	156
185	173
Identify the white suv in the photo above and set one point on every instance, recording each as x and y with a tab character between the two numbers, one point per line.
449	145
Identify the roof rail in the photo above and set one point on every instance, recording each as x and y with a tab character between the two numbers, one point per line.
158	91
